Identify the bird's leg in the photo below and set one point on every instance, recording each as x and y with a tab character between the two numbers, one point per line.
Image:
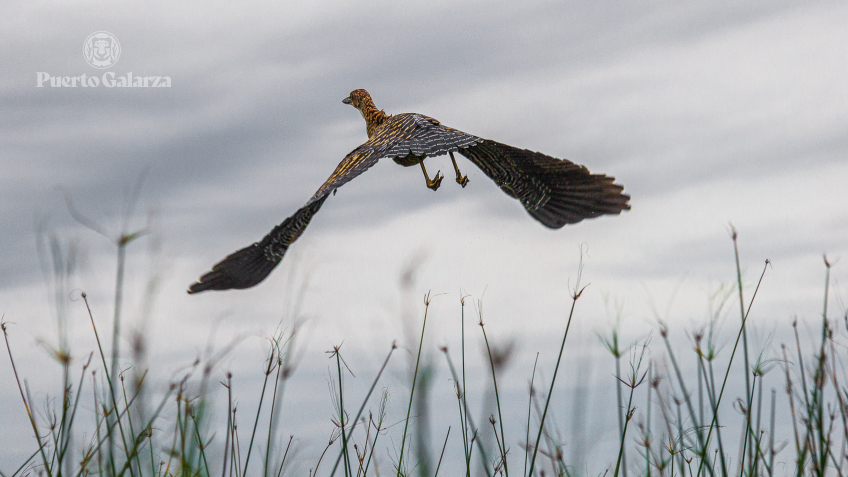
435	183
460	179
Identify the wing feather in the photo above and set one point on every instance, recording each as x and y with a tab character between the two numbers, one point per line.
554	191
250	265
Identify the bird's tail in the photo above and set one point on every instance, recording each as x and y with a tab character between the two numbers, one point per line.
250	265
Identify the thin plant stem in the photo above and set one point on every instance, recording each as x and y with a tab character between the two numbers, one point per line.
715	409
98	423
648	421
133	451
628	415
747	431
285	454
444	446
116	320
714	422
129	420
26	462
681	383
347	467
236	447
200	445
771	433
229	422
502	441
3	325
110	425
529	410
315	471
743	315
621	410
271	417
365	402
414	379
464	388
470	422
268	370
574	297
381	415
76	402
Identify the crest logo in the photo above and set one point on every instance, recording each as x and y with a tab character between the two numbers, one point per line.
101	49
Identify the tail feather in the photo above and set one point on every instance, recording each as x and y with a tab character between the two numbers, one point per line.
250	265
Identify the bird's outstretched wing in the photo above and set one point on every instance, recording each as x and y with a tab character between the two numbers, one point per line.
399	136
250	265
554	191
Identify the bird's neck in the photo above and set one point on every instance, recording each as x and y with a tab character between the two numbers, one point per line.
373	117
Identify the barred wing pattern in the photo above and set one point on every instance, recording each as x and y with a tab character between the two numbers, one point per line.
554	191
399	137
250	265
425	136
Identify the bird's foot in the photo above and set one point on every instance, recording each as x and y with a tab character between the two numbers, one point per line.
462	180
436	182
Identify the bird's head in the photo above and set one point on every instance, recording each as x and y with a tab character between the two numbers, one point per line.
358	98
361	100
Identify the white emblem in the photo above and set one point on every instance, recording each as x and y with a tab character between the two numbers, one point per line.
101	49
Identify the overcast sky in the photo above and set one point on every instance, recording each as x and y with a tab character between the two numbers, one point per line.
708	113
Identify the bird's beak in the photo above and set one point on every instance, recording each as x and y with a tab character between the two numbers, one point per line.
347	100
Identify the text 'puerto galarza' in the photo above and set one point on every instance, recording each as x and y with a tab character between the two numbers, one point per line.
109	79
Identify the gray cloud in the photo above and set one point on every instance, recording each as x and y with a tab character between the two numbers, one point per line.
707	113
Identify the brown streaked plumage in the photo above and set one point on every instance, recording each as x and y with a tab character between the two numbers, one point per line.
554	191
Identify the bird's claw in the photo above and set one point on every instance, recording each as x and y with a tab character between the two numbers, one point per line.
462	180
436	182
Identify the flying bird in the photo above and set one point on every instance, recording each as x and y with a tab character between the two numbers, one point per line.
554	191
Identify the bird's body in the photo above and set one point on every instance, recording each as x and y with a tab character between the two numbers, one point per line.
554	191
407	138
